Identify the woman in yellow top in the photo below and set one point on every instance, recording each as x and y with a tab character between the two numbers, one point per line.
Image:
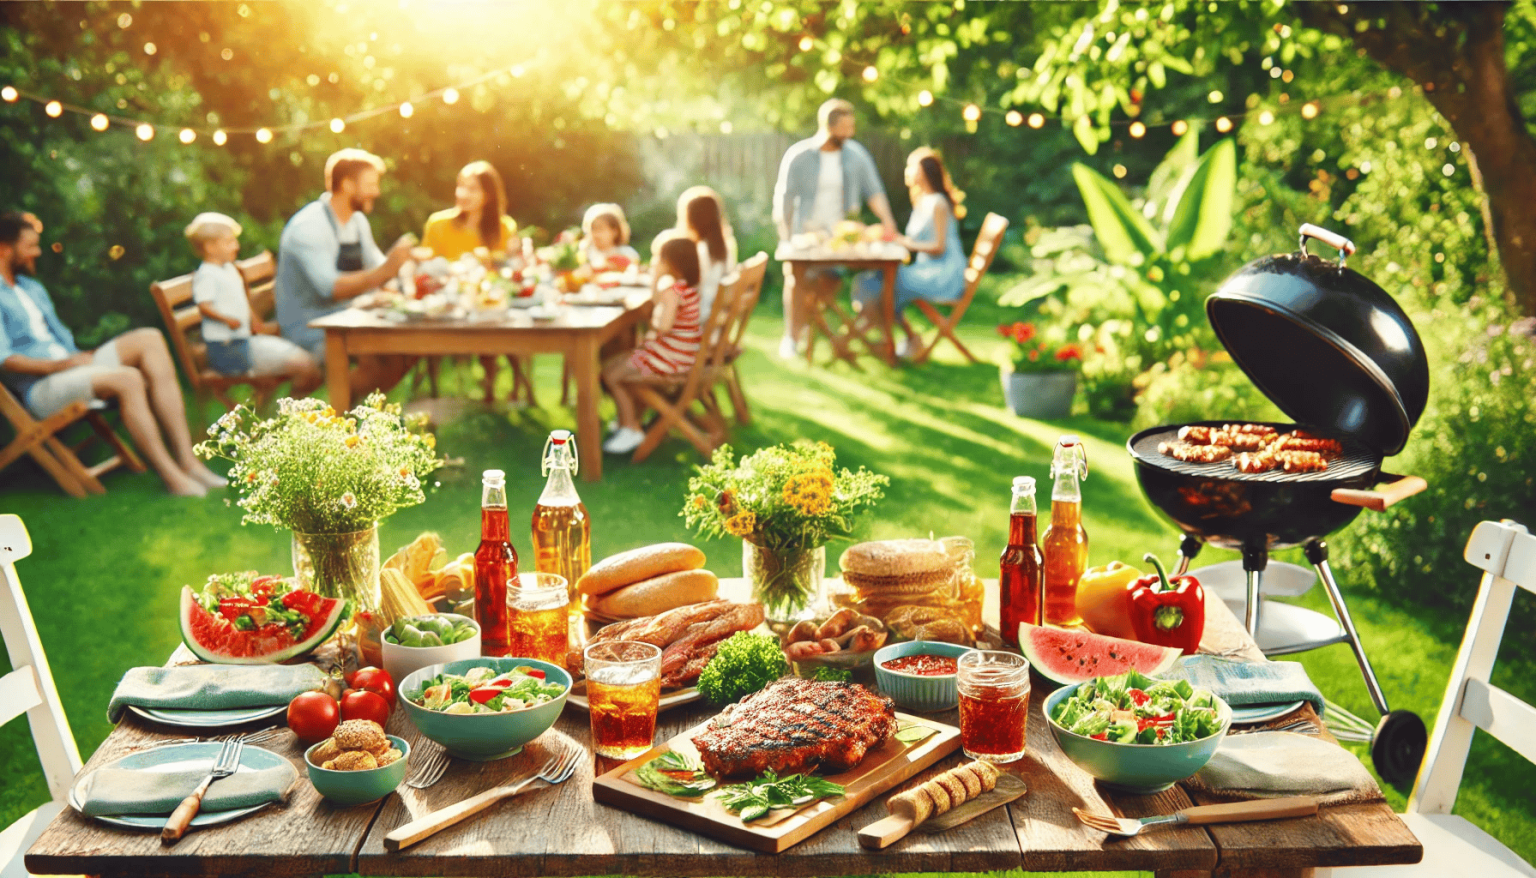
478	217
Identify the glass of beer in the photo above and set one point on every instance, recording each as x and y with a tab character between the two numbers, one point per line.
994	704
540	625
623	689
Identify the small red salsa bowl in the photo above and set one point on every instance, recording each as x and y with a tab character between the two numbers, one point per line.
911	688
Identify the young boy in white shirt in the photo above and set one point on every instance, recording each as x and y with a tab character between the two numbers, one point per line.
228	324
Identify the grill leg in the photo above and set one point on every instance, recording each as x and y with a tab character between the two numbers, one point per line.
1189	547
1255	559
1317	553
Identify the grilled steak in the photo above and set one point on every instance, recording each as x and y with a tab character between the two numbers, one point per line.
797	725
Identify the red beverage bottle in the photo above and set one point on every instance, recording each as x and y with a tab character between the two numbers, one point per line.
1019	580
495	566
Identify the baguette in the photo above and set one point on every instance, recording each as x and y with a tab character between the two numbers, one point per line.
659	594
949	790
638	565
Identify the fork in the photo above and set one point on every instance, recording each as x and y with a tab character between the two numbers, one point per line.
224	766
430	770
557	770
1300	727
1232	812
256	737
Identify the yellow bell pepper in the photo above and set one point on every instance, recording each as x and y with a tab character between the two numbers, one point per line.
1104	599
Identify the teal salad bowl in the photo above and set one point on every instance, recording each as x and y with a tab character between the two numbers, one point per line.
363	786
482	737
1136	768
916	692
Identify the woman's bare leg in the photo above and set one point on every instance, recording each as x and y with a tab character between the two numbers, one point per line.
126	385
615	371
145	350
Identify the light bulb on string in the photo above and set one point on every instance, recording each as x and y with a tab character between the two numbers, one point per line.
263	135
1178	128
1036	120
971	113
1223	124
1309	110
1266	118
100	122
871	74
220	138
406	110
145	131
187	135
54	109
1014	118
806	43
1138	130
9	94
450	95
150	48
924	98
337	126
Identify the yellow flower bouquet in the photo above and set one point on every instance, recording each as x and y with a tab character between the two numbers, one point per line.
786	503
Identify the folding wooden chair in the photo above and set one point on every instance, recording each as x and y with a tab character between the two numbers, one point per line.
29	690
182	319
1506	554
987	243
39	440
822	304
746	289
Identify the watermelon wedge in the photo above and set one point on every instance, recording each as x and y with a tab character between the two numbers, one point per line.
1072	656
238	621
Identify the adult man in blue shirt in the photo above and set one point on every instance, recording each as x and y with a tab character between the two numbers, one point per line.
822	180
327	257
41	365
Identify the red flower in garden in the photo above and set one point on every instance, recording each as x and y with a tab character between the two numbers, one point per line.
1004	330
1023	332
1034	355
1069	352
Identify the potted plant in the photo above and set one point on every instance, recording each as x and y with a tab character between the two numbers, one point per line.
1040	376
329	479
785	503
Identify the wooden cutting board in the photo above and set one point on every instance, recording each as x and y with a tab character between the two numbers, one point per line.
883	768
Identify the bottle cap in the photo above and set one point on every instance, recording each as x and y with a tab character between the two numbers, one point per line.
1024	484
560	437
493	476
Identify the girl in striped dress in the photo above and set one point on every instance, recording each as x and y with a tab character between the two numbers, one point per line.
671	346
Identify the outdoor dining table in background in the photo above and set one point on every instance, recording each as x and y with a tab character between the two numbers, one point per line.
855	259
577	331
562	831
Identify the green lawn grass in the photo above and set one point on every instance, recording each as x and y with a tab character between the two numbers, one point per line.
106	572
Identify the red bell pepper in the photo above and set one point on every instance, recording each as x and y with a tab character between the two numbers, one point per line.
1168	613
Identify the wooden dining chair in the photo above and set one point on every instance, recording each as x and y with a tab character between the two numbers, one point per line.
746	291
1506	554
183	323
40	440
28	689
988	241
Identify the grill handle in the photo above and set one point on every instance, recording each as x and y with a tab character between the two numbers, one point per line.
1400	488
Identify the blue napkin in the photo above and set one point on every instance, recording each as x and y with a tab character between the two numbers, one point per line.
124	791
1244	683
212	687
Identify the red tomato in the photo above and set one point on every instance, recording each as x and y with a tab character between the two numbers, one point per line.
306	602
373	680
261	586
1138	696
535	672
313	716
361	704
234	608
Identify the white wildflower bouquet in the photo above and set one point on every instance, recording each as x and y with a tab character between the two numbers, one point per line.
314	471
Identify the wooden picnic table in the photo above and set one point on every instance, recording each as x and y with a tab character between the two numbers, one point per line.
854	260
577	331
563	832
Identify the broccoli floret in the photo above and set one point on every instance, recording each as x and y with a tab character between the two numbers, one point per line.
829	674
744	664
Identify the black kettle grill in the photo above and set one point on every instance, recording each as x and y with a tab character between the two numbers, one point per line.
1337	354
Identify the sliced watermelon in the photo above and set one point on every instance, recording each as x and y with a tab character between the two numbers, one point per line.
214	638
1072	656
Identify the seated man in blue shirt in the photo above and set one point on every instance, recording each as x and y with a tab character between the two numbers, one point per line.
327	256
41	365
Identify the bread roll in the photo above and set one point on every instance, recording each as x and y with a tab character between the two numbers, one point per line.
659	594
638	565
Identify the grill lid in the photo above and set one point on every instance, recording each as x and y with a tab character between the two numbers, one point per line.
1327	345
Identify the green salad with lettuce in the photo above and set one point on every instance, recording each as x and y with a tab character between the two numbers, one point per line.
1132	708
483	690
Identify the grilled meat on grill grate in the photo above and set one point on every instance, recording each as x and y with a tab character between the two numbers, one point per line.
797	725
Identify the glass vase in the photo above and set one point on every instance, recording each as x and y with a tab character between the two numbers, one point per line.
340	566
787	582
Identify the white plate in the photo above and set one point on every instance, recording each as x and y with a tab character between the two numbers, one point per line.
181	757
207	719
1259	713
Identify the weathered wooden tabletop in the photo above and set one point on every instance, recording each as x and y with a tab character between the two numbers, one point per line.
562	831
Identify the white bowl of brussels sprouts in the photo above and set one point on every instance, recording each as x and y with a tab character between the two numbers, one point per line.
414	642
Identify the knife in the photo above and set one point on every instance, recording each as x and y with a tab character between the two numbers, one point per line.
887	831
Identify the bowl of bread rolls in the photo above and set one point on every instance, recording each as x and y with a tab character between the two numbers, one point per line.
645	582
358	763
910	585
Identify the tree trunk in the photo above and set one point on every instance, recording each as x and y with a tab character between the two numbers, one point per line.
1455	51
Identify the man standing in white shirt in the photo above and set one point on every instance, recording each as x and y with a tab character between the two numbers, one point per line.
822	180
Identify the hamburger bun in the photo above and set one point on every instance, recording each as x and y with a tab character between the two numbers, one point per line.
638	565
659	594
895	559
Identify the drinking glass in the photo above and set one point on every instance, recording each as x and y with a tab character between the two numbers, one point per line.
539	622
994	704
623	690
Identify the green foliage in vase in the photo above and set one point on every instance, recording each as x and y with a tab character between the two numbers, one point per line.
783	497
313	471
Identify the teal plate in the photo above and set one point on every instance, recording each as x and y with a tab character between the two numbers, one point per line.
1261	713
181	757
207	719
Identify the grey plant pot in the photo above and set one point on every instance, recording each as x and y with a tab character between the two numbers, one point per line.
1039	395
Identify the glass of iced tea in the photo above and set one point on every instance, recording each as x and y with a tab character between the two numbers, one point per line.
623	689
539	622
994	704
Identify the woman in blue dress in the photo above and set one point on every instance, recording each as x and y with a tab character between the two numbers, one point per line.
937	274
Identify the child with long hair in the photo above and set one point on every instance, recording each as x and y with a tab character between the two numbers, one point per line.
672	345
605	239
701	214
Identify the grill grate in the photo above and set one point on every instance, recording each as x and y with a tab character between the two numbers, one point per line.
1356	461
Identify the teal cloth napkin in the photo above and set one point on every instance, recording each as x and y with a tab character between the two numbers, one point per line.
125	791
212	687
1275	764
1244	683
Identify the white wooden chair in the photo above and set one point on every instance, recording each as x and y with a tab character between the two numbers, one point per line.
1452	846
29	689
